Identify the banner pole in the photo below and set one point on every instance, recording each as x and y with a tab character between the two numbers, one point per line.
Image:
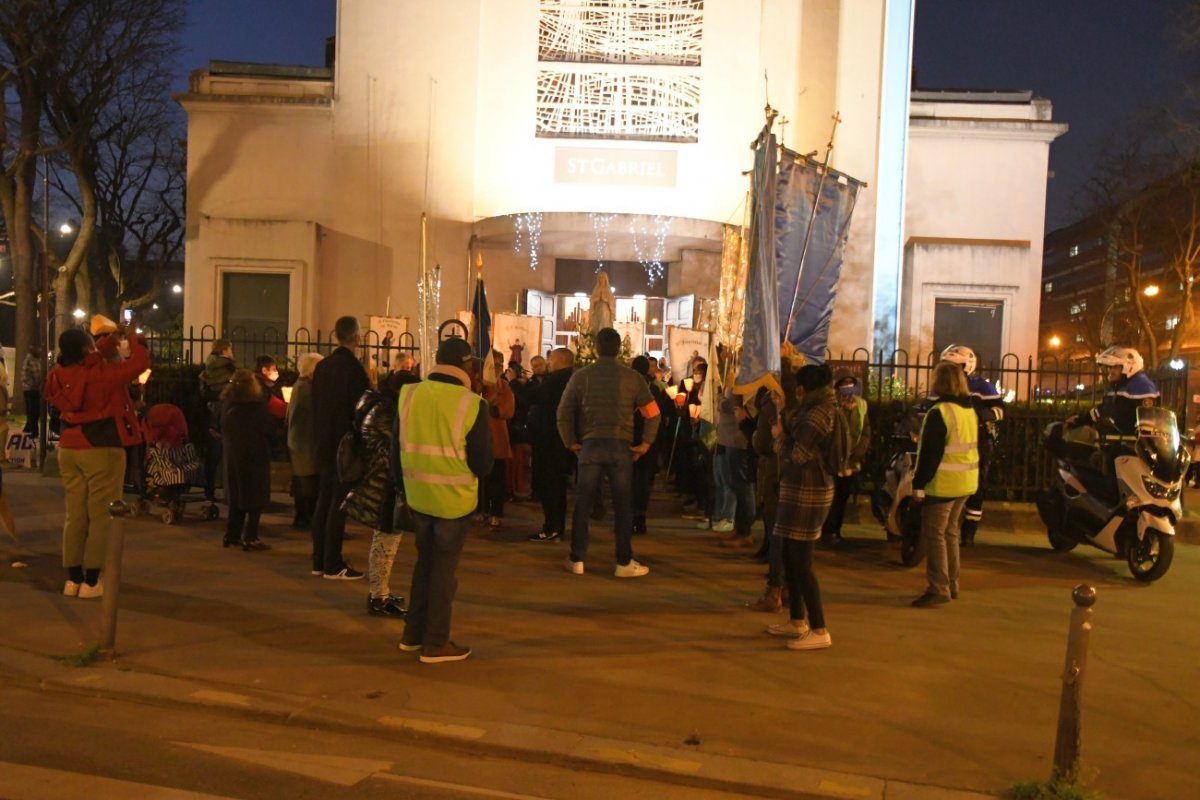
837	118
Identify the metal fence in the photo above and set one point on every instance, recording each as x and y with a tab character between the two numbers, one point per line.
1036	394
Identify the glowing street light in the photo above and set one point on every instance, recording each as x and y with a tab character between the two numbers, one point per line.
79	313
177	289
1151	290
1055	341
65	229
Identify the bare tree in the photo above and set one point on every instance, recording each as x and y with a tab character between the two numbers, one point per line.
63	66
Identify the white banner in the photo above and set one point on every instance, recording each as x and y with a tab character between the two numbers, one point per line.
386	337
684	344
517	336
635	332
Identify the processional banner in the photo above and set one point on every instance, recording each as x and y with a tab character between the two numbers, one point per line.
758	364
517	336
684	344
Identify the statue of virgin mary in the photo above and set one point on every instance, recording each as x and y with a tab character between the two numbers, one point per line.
603	307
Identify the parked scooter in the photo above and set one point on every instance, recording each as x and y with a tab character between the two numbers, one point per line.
1130	512
892	501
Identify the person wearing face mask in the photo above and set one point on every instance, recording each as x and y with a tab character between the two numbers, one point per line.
266	372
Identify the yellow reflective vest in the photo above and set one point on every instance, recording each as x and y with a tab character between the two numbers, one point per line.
434	419
958	473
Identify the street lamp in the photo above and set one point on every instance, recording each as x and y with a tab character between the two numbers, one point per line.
1055	341
65	229
79	313
1151	290
177	289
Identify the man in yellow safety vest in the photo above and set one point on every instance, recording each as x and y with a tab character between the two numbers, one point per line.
443	447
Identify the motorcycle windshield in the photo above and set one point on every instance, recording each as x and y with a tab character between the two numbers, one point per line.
1158	443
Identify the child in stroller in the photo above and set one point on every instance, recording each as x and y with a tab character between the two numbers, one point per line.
172	466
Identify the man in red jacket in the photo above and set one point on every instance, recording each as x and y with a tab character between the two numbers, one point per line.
98	423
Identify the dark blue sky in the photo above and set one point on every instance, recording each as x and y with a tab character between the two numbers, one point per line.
1098	61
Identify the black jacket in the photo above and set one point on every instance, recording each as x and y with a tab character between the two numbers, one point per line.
338	382
372	499
246	429
543	412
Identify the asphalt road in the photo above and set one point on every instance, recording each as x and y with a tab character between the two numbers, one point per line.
58	746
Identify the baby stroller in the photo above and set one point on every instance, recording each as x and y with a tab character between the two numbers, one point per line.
172	465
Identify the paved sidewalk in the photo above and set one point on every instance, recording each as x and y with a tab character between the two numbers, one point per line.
666	675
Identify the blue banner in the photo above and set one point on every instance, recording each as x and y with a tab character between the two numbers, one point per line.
806	291
482	344
758	364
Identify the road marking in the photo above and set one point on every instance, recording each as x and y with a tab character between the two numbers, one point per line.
440	728
339	770
459	787
844	790
224	698
38	783
644	759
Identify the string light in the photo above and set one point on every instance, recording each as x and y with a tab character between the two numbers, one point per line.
600	223
527	233
651	262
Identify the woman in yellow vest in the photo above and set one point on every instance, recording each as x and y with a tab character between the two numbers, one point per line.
947	473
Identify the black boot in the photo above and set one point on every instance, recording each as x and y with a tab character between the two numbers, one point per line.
968	532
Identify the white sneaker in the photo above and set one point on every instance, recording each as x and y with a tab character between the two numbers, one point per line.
87	591
703	526
723	525
574	567
787	630
71	589
631	570
810	641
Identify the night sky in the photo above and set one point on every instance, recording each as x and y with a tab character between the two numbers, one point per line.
1098	61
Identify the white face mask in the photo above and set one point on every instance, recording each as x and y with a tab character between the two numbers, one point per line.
123	348
273	375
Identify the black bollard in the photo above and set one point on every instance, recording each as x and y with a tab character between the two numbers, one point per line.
1066	742
118	510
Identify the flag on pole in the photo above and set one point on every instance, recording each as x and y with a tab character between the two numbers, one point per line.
481	337
811	285
758	364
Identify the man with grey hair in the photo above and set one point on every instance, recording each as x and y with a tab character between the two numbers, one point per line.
339	380
595	420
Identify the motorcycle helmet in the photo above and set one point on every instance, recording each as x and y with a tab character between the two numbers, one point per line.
961	355
1128	359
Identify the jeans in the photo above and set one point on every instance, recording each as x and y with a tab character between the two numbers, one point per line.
803	589
724	500
738	465
600	457
940	521
843	488
329	524
439	546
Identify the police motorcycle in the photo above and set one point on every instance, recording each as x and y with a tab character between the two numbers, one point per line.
892	502
1131	513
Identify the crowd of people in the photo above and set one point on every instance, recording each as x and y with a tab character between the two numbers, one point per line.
431	454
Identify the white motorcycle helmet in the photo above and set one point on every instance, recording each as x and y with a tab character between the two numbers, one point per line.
961	355
1128	359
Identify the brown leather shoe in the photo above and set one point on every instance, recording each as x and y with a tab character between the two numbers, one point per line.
770	602
738	541
447	652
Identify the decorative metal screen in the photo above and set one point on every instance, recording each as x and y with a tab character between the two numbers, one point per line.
621	31
649	86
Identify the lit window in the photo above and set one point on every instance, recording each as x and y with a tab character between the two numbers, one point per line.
1049	287
1083	305
1172	322
1076	308
1074	251
1079	338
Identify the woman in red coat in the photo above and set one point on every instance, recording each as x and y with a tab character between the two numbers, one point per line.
98	423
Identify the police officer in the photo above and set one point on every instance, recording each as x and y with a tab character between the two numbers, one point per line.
989	409
1129	388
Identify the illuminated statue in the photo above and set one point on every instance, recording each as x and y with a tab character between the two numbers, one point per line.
603	310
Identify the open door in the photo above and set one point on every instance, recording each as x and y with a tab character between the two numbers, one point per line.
541	304
680	311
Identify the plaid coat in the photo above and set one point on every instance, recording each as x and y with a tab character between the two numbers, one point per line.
805	487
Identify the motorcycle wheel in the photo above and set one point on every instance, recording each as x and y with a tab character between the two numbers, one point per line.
1150	558
1060	543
